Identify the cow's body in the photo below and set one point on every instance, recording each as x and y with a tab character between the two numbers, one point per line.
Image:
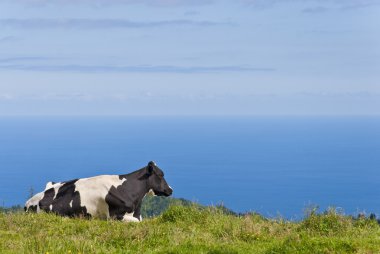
105	196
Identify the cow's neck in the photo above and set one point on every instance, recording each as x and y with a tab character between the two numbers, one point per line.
135	187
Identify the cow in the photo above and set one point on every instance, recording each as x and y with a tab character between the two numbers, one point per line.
105	197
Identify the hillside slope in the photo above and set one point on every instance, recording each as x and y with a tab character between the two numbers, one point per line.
189	229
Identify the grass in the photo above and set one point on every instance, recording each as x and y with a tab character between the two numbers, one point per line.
189	229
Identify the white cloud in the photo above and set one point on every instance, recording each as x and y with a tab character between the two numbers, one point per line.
8	39
132	69
6	96
176	3
37	23
160	3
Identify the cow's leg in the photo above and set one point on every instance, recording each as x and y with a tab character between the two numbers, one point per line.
130	218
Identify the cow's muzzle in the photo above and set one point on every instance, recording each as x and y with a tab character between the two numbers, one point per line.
167	192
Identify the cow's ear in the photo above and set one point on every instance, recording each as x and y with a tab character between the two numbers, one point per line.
151	167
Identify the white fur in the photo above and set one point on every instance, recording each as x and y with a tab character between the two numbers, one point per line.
49	185
56	187
33	201
151	193
128	217
93	193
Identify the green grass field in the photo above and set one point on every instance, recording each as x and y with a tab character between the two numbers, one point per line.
189	229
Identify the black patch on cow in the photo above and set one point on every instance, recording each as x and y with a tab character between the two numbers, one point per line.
61	203
47	200
127	197
118	203
137	212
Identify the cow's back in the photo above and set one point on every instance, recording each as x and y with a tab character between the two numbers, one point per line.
78	197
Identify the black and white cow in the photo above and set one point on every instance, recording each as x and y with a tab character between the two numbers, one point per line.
105	196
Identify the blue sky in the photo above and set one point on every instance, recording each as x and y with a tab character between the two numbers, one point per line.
182	57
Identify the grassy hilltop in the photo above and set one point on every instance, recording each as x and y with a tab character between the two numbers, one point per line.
185	228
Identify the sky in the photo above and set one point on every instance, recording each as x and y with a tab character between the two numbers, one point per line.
183	57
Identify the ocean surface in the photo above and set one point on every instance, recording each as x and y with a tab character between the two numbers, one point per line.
277	166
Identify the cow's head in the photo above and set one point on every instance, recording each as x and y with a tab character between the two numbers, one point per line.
156	181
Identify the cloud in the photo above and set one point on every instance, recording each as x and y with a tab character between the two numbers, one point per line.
102	23
6	97
176	3
23	59
44	64
318	9
321	4
65	97
158	3
356	5
126	69
8	39
347	5
357	95
191	13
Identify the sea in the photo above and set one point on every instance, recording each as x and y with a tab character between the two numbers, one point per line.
279	166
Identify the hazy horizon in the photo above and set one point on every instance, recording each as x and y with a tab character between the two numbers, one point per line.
183	57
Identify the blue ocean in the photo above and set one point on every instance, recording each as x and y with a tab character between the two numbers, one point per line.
277	166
